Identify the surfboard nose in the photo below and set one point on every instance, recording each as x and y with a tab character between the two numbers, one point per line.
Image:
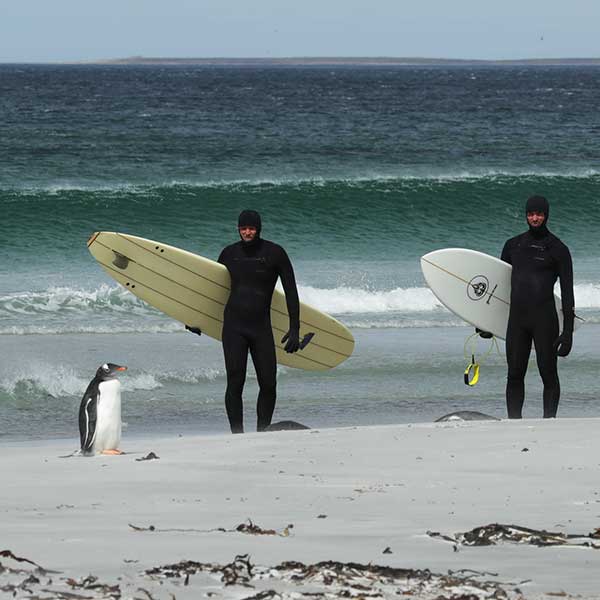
92	238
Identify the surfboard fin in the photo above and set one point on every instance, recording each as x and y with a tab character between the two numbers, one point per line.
120	260
306	340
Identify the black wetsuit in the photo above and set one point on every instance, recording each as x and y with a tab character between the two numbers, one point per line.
254	268
538	257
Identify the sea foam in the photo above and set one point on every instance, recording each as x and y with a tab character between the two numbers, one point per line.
112	309
348	300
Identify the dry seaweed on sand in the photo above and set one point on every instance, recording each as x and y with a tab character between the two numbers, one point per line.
238	572
30	580
494	533
254	529
24	578
9	554
16	579
332	579
249	528
90	582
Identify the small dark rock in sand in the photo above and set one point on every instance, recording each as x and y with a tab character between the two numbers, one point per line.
466	415
286	426
149	456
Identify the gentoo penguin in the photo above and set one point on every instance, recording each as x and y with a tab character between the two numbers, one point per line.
100	412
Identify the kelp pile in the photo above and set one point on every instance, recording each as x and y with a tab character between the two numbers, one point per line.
495	533
331	579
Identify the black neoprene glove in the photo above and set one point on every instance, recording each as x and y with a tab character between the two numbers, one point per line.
293	341
195	330
564	343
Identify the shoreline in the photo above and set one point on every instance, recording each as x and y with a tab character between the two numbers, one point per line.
175	384
371	495
63	442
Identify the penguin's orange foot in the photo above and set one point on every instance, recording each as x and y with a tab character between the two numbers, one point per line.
115	451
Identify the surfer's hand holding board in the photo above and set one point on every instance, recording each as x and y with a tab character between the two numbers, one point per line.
293	341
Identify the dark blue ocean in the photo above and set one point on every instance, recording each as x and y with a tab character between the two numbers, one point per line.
357	172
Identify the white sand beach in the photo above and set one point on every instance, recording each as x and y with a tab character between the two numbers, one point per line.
95	527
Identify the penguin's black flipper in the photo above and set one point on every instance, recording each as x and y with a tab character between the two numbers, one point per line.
88	414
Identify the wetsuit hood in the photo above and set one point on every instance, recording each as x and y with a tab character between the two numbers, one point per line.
251	218
538	204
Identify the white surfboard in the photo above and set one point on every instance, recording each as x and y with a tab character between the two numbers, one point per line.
194	290
473	285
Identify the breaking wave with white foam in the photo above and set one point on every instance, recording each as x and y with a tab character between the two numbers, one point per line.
41	380
112	309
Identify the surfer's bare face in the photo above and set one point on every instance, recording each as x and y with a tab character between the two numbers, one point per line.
247	232
536	218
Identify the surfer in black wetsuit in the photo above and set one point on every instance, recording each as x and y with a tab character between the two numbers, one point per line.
254	265
538	258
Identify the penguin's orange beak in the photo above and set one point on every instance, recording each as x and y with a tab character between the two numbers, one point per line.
121	368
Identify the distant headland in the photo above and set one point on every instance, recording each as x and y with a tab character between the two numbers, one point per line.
333	61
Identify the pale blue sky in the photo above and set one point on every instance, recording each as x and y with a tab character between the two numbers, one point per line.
65	30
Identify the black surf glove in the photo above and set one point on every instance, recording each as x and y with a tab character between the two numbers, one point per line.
195	330
293	341
564	343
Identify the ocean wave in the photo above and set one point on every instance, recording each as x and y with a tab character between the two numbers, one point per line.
74	328
352	220
420	174
112	309
363	322
40	380
192	375
587	295
67	300
347	300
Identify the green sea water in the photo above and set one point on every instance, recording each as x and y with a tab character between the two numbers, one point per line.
357	172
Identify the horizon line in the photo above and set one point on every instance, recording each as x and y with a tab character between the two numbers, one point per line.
300	60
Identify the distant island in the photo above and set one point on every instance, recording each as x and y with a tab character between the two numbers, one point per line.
333	61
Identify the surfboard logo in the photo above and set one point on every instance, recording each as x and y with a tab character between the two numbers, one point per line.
477	287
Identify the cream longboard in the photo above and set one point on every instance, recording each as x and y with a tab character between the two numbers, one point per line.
473	285
194	290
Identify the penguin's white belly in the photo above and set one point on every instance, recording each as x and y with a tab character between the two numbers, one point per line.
108	421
